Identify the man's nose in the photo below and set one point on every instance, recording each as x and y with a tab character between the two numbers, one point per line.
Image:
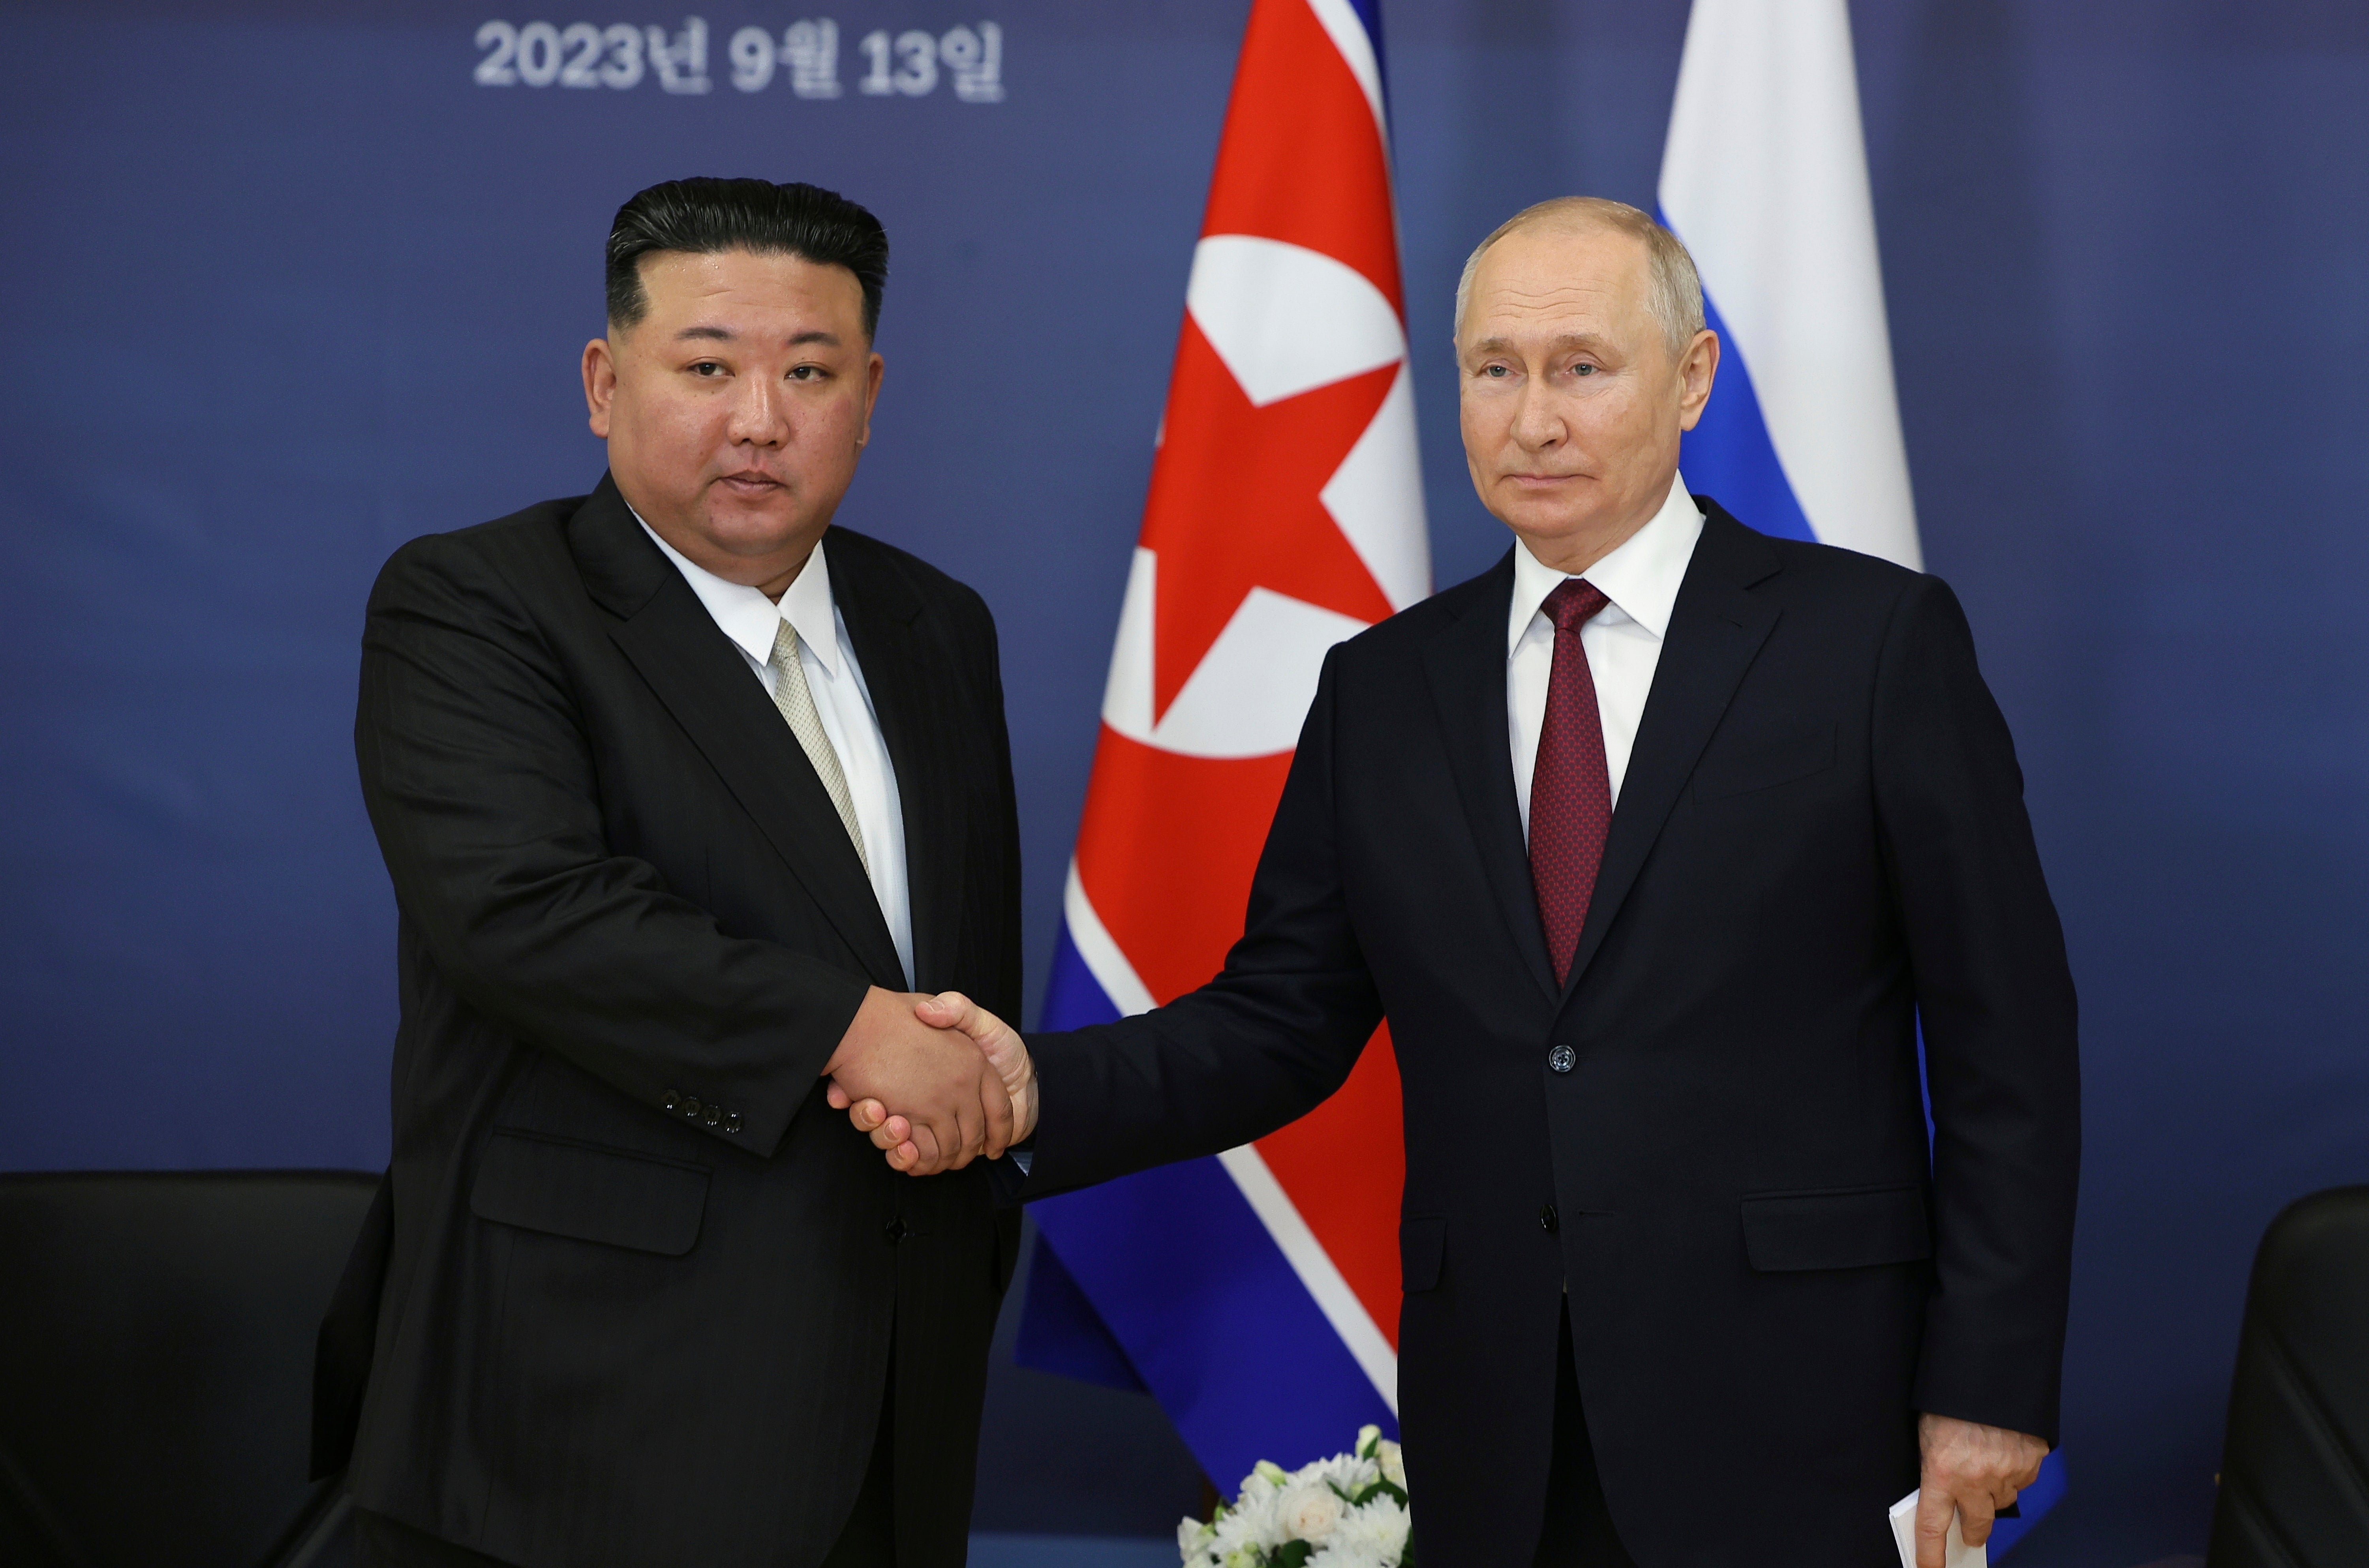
1537	423
760	412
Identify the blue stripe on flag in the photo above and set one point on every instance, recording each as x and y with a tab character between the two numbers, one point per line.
1172	1275
2030	1504
1728	456
1073	998
1212	1318
1061	1332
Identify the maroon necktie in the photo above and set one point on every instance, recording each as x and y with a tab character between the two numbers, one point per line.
1571	793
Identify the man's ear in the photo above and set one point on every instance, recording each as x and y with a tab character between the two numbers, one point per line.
600	383
1697	370
873	369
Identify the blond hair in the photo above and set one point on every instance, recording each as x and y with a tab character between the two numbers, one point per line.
1673	291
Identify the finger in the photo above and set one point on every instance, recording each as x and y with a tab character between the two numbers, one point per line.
1974	1515
891	1131
998	1105
865	1115
929	1154
971	1132
1934	1507
939	1139
836	1096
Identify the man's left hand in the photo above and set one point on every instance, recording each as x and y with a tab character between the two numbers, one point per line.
1972	1470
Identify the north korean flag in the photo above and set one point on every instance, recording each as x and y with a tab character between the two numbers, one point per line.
1256	1294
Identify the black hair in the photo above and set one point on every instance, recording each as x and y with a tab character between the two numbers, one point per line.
704	216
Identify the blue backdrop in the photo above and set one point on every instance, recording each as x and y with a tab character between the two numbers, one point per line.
284	285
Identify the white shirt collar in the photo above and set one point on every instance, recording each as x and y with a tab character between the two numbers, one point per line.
1641	578
748	617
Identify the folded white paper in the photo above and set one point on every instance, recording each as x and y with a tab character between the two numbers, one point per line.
1956	1553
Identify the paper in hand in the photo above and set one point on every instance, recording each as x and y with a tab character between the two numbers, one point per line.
1956	1553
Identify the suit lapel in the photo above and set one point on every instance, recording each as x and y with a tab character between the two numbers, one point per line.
910	697
1466	663
702	680
1716	631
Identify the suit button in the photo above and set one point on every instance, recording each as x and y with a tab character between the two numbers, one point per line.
1562	1058
690	1106
715	1114
673	1101
894	1230
732	1121
1547	1220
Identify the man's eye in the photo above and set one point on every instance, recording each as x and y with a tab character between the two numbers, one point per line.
707	368
1583	370
806	372
1495	372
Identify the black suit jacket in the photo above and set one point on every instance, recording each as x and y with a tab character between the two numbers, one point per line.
644	1283
1820	841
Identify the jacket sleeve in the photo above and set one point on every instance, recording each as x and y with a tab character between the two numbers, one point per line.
481	785
1996	1004
1007	971
1265	1042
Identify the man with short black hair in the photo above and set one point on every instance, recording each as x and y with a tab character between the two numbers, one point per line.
682	791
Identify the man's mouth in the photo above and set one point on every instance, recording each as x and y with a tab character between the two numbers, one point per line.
751	481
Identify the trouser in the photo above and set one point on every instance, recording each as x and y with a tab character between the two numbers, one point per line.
869	1540
1578	1531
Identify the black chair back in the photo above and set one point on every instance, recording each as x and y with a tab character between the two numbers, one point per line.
156	1350
2294	1466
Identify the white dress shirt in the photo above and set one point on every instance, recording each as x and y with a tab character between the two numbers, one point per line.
1623	640
841	700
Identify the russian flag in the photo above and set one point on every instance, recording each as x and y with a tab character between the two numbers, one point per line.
1763	177
1256	1294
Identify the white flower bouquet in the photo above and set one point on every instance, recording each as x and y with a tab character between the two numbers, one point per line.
1349	1511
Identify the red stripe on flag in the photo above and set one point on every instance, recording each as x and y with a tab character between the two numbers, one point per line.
1302	159
1165	851
1344	1165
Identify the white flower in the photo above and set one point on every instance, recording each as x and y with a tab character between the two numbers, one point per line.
1375	1535
1311	1511
1192	1537
1245	1527
1392	1460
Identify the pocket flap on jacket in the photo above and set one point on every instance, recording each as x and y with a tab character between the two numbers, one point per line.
1836	1228
592	1195
1765	767
1423	1243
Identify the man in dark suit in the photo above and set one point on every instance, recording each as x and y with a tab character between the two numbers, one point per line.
1655	844
679	800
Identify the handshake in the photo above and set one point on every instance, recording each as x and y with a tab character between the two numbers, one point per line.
934	1081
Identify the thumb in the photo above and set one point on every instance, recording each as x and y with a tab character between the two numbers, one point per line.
952	1010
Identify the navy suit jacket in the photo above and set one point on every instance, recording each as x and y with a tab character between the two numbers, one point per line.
1820	843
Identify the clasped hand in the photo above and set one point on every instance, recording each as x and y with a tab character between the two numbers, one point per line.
936	1081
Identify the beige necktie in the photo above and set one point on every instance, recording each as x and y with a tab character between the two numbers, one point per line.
796	703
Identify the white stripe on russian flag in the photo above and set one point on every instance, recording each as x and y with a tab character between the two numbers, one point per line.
1763	177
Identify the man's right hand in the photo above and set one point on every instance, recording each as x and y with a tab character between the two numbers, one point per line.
909	1143
945	1088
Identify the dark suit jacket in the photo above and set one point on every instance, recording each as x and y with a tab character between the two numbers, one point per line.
643	1282
1820	841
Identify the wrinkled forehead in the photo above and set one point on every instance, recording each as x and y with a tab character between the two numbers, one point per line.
1559	277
